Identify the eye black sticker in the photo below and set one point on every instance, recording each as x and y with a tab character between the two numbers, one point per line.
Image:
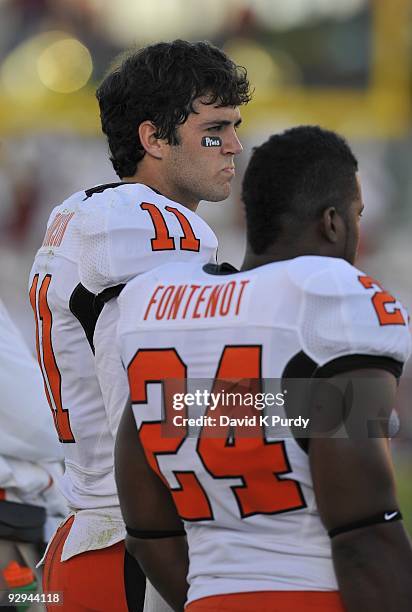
209	141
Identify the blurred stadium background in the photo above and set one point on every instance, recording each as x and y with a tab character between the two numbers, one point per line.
343	64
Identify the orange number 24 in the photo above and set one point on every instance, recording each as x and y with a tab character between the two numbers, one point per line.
255	461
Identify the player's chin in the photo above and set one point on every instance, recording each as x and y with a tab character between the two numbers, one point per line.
219	193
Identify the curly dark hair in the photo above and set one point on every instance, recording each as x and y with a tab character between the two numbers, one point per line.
159	83
292	178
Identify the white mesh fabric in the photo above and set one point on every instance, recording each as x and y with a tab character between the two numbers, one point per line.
323	328
70	246
94	262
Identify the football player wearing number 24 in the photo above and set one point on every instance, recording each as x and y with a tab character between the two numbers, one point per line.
281	521
170	112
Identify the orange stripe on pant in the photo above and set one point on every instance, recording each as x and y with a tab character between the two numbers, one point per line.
270	601
93	580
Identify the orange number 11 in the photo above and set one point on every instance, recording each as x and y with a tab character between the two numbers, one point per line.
46	358
163	241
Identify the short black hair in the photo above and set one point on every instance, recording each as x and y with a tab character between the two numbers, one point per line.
292	178
159	83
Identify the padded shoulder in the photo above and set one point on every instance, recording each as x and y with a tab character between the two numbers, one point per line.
345	312
130	229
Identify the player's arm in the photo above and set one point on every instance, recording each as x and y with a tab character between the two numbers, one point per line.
156	537
355	492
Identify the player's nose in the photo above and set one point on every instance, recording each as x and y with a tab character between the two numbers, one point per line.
232	144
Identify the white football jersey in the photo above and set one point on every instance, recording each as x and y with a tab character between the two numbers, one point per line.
111	252
102	236
29	451
247	502
110	255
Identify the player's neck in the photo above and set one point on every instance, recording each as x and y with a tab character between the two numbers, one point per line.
155	180
282	252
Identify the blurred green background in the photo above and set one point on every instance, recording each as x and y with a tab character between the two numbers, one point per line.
403	473
343	64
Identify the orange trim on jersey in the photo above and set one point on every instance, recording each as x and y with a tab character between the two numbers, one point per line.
270	601
93	580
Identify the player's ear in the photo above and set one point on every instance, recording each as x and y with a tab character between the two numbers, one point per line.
330	224
150	142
